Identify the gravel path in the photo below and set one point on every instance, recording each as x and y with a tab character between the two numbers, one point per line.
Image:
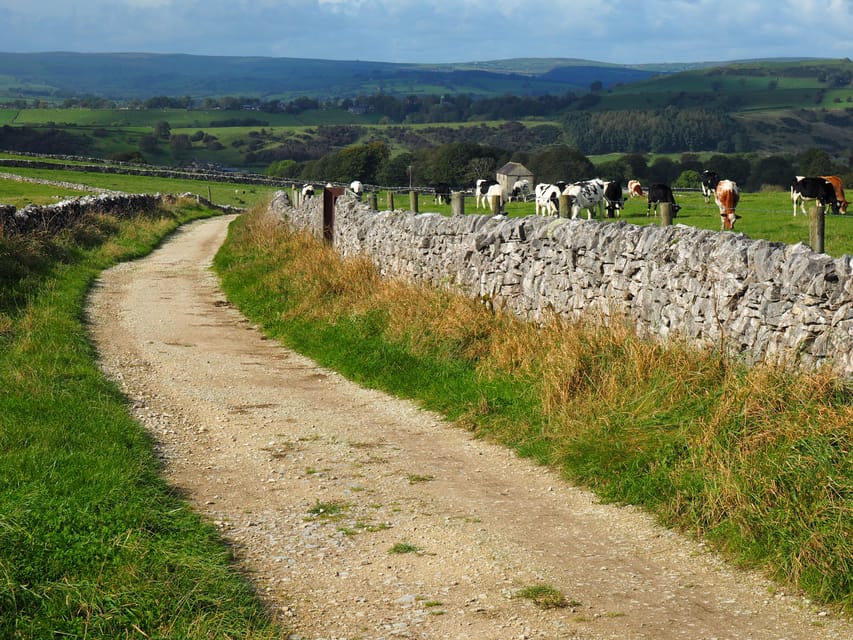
314	480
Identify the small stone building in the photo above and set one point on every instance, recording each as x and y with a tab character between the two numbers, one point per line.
511	173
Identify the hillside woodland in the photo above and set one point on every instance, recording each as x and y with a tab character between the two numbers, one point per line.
758	123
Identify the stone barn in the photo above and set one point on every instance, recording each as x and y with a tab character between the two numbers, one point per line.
511	173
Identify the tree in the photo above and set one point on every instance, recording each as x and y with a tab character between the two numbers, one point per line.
148	144
162	129
561	163
815	162
689	179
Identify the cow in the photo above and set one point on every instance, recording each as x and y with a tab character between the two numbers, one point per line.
709	181
442	193
836	183
520	190
812	188
614	201
635	189
726	195
357	188
661	193
307	191
482	187
495	190
548	198
588	195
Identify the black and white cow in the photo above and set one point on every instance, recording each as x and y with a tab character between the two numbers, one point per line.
442	193
710	180
357	188
808	188
548	198
307	191
614	201
481	188
661	193
586	195
520	190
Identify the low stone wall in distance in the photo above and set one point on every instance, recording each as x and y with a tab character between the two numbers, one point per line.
760	299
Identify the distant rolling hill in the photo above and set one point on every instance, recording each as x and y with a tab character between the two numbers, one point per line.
125	76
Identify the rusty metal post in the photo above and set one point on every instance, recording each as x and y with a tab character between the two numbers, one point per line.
413	201
457	203
665	214
817	228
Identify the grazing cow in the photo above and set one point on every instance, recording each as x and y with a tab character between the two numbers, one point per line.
726	195
614	201
709	180
357	188
520	190
836	183
548	198
495	190
442	193
481	188
661	193
635	189
811	188
588	195
307	191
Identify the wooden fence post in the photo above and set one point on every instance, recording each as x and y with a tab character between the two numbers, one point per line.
817	227
564	207
390	200
457	203
413	201
372	201
495	204
665	214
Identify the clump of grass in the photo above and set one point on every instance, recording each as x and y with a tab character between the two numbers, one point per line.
404	547
755	460
328	510
544	596
416	478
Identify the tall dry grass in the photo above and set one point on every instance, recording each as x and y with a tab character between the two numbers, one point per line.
757	460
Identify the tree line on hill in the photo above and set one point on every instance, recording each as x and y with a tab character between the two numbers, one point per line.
461	163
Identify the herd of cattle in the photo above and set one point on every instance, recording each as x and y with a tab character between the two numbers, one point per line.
598	196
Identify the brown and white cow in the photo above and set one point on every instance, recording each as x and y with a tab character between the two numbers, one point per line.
635	189
726	195
837	185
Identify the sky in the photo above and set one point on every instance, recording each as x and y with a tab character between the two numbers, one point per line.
435	31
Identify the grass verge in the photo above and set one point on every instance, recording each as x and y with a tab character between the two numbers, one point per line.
756	461
92	542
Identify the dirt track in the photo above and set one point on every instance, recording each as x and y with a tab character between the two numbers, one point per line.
259	437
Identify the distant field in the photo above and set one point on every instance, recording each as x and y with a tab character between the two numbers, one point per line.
177	118
219	192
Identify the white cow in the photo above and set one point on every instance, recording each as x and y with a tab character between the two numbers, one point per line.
357	188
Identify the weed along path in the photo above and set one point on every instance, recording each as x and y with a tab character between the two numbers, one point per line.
358	515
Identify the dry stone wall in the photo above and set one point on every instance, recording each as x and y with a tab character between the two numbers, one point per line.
760	299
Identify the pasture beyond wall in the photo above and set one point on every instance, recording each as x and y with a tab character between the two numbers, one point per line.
759	299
